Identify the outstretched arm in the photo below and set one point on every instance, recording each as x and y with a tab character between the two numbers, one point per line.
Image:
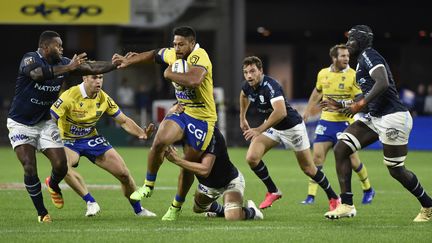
49	72
93	67
132	128
202	168
132	58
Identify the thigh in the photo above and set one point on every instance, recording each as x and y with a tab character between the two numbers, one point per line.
236	185
320	150
112	162
169	132
394	129
72	157
57	156
295	137
260	145
362	132
50	136
26	154
203	199
20	134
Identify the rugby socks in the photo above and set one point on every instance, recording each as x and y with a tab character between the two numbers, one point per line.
178	201
88	198
363	177
249	213
34	189
414	186
347	198
215	207
313	186
262	172
150	180
322	180
55	180
136	205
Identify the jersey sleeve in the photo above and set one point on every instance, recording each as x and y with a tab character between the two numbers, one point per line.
199	58
318	85
61	106
166	55
275	92
371	60
112	108
29	62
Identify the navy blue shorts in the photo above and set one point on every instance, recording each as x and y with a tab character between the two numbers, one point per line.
197	133
89	147
328	131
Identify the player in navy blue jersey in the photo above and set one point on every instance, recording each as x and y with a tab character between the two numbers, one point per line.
387	120
40	77
217	176
281	124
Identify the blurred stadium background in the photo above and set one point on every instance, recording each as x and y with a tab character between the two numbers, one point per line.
292	37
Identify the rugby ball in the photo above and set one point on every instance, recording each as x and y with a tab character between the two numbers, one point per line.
180	66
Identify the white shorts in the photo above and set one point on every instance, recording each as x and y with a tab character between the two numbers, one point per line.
295	137
392	129
237	185
43	135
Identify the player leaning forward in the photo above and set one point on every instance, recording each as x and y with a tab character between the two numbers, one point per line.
77	111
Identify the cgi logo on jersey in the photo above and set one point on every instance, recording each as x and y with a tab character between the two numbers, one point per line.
198	133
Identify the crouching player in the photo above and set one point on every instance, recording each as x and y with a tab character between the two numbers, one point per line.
77	110
217	177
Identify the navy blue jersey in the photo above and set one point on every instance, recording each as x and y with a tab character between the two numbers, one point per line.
32	101
386	103
223	170
261	98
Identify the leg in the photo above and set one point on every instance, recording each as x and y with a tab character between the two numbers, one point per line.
233	201
26	154
112	162
360	169
320	150
57	156
73	178
394	157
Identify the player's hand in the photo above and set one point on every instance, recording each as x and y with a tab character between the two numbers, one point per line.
251	133
130	54
148	131
167	72
331	104
354	108
171	154
77	60
119	60
244	125
177	108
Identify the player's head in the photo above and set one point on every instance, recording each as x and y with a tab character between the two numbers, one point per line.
253	70
184	41
51	45
340	56
93	84
360	37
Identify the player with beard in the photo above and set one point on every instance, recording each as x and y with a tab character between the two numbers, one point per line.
40	77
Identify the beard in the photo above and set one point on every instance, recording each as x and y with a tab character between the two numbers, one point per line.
54	58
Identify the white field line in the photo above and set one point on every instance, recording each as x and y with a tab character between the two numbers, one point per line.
20	186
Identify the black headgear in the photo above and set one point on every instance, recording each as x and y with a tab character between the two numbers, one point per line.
363	35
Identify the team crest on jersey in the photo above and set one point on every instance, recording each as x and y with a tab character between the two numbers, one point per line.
28	61
194	59
341	86
98	113
58	103
343	78
392	133
261	98
98	105
81	104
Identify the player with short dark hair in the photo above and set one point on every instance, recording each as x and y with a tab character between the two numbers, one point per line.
336	82
77	112
193	89
40	77
217	177
281	125
387	120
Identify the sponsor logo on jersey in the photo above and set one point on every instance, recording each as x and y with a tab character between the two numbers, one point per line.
58	103
47	88
80	131
97	141
198	133
28	61
19	137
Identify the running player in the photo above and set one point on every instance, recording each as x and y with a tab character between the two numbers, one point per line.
282	124
77	111
193	89
337	82
217	177
388	120
40	77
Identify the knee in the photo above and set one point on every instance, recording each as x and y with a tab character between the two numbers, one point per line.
29	169
309	170
123	176
318	158
253	159
341	151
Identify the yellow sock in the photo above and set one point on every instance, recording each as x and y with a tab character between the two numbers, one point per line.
149	183
178	201
363	177
312	187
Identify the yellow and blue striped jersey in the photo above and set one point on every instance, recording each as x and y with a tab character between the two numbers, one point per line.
199	102
339	86
77	114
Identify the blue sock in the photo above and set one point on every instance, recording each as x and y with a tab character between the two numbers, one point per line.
136	206
88	198
249	213
217	208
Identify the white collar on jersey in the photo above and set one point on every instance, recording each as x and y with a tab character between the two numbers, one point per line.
82	89
37	51
196	46
343	71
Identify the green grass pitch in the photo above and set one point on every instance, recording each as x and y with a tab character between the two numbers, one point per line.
387	219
